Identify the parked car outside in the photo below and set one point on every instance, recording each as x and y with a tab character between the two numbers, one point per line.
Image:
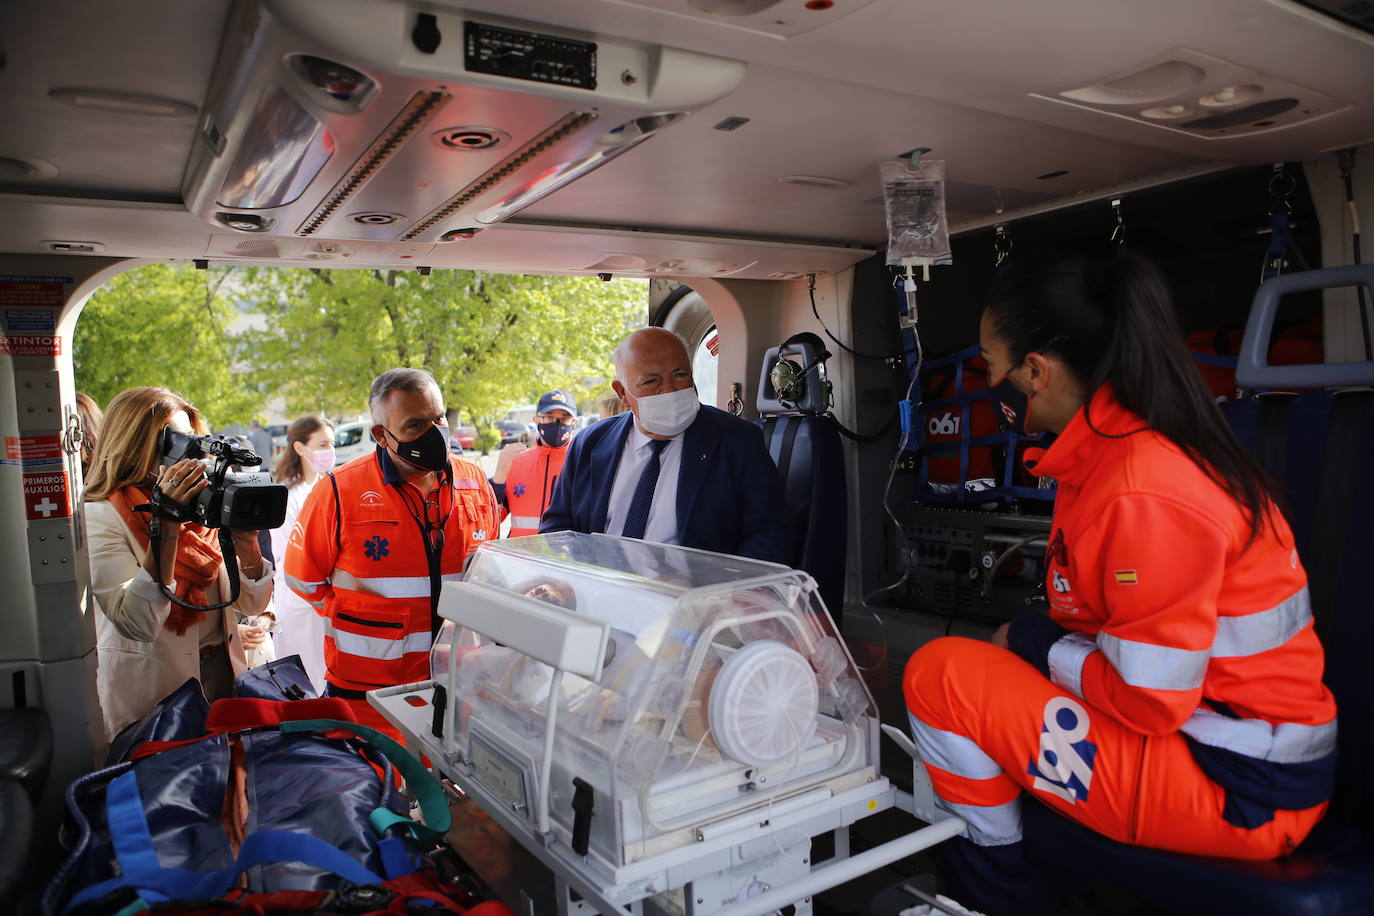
514	431
465	435
350	441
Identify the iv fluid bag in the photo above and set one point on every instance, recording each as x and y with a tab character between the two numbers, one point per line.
915	204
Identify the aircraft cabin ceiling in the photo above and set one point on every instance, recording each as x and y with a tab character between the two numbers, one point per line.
105	106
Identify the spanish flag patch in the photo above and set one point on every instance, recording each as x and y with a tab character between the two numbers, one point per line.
1127	577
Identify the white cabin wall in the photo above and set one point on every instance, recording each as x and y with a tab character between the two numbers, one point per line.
47	627
1344	331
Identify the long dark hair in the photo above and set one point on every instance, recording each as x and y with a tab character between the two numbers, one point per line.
289	469
1114	322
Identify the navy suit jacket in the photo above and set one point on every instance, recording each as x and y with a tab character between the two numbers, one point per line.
729	494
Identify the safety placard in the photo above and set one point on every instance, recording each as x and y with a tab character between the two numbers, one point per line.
30	450
28	294
31	344
46	496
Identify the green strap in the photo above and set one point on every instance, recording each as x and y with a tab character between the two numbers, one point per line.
433	805
136	907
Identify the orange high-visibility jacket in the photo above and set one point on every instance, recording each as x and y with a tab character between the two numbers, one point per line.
1166	616
360	561
529	486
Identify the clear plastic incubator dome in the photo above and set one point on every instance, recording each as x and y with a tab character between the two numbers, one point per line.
715	685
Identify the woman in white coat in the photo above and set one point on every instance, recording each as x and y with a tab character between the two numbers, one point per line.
147	646
309	454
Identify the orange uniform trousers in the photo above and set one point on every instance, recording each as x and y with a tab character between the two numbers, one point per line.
989	726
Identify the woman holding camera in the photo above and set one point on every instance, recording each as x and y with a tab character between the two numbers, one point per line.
147	645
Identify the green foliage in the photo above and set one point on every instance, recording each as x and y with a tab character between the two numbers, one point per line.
491	340
167	325
319	337
488	438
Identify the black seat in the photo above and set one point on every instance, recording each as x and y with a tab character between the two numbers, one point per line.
26	748
1319	446
16	837
805	445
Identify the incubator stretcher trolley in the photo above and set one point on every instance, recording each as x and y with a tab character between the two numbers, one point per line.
664	728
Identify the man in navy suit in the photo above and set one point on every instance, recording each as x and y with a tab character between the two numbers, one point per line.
670	469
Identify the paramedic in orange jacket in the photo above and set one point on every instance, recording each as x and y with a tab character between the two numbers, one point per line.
1173	696
525	486
375	540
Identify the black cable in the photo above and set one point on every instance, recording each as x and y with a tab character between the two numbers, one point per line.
811	290
859	437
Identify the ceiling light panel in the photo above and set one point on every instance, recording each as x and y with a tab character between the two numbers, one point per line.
1192	93
465	129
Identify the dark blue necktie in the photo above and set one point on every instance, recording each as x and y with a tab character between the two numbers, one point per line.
637	517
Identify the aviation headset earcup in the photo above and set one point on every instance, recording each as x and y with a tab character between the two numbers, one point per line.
788	380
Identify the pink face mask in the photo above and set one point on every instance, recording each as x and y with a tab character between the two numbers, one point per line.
322	459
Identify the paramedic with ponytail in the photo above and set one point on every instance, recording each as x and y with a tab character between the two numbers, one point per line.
1172	698
147	646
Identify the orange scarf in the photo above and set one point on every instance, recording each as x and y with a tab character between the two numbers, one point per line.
198	555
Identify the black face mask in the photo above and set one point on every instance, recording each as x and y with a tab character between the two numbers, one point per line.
1014	404
428	451
554	434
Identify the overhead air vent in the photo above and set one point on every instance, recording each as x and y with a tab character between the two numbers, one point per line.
417	111
1191	93
334	133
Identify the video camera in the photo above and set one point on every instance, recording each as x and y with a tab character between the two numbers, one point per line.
236	500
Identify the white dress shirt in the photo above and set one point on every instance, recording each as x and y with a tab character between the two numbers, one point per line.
662	525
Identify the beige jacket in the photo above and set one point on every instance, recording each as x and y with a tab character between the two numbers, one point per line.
139	660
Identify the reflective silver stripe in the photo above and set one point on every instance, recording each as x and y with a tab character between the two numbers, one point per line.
377	647
1066	659
952	753
317	605
386	586
524	521
1288	742
1256	633
452	577
305	588
988	825
1143	664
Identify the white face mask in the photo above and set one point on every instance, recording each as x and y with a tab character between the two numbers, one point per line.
670	413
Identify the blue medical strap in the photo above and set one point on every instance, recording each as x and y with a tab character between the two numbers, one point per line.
1278	244
428	792
141	871
1211	359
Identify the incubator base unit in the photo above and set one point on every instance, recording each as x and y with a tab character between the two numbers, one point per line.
665	728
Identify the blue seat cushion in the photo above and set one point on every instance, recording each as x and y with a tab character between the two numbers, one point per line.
1332	872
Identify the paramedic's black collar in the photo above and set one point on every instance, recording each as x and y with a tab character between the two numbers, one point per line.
391	475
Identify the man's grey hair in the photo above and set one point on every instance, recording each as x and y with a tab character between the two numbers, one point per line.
396	380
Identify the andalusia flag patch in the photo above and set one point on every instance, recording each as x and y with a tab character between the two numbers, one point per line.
1127	577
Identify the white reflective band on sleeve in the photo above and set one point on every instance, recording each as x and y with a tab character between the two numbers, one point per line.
1288	742
952	753
1143	664
524	521
377	647
386	586
1256	633
297	585
1066	659
988	825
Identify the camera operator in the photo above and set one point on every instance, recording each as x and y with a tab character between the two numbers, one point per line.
147	646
